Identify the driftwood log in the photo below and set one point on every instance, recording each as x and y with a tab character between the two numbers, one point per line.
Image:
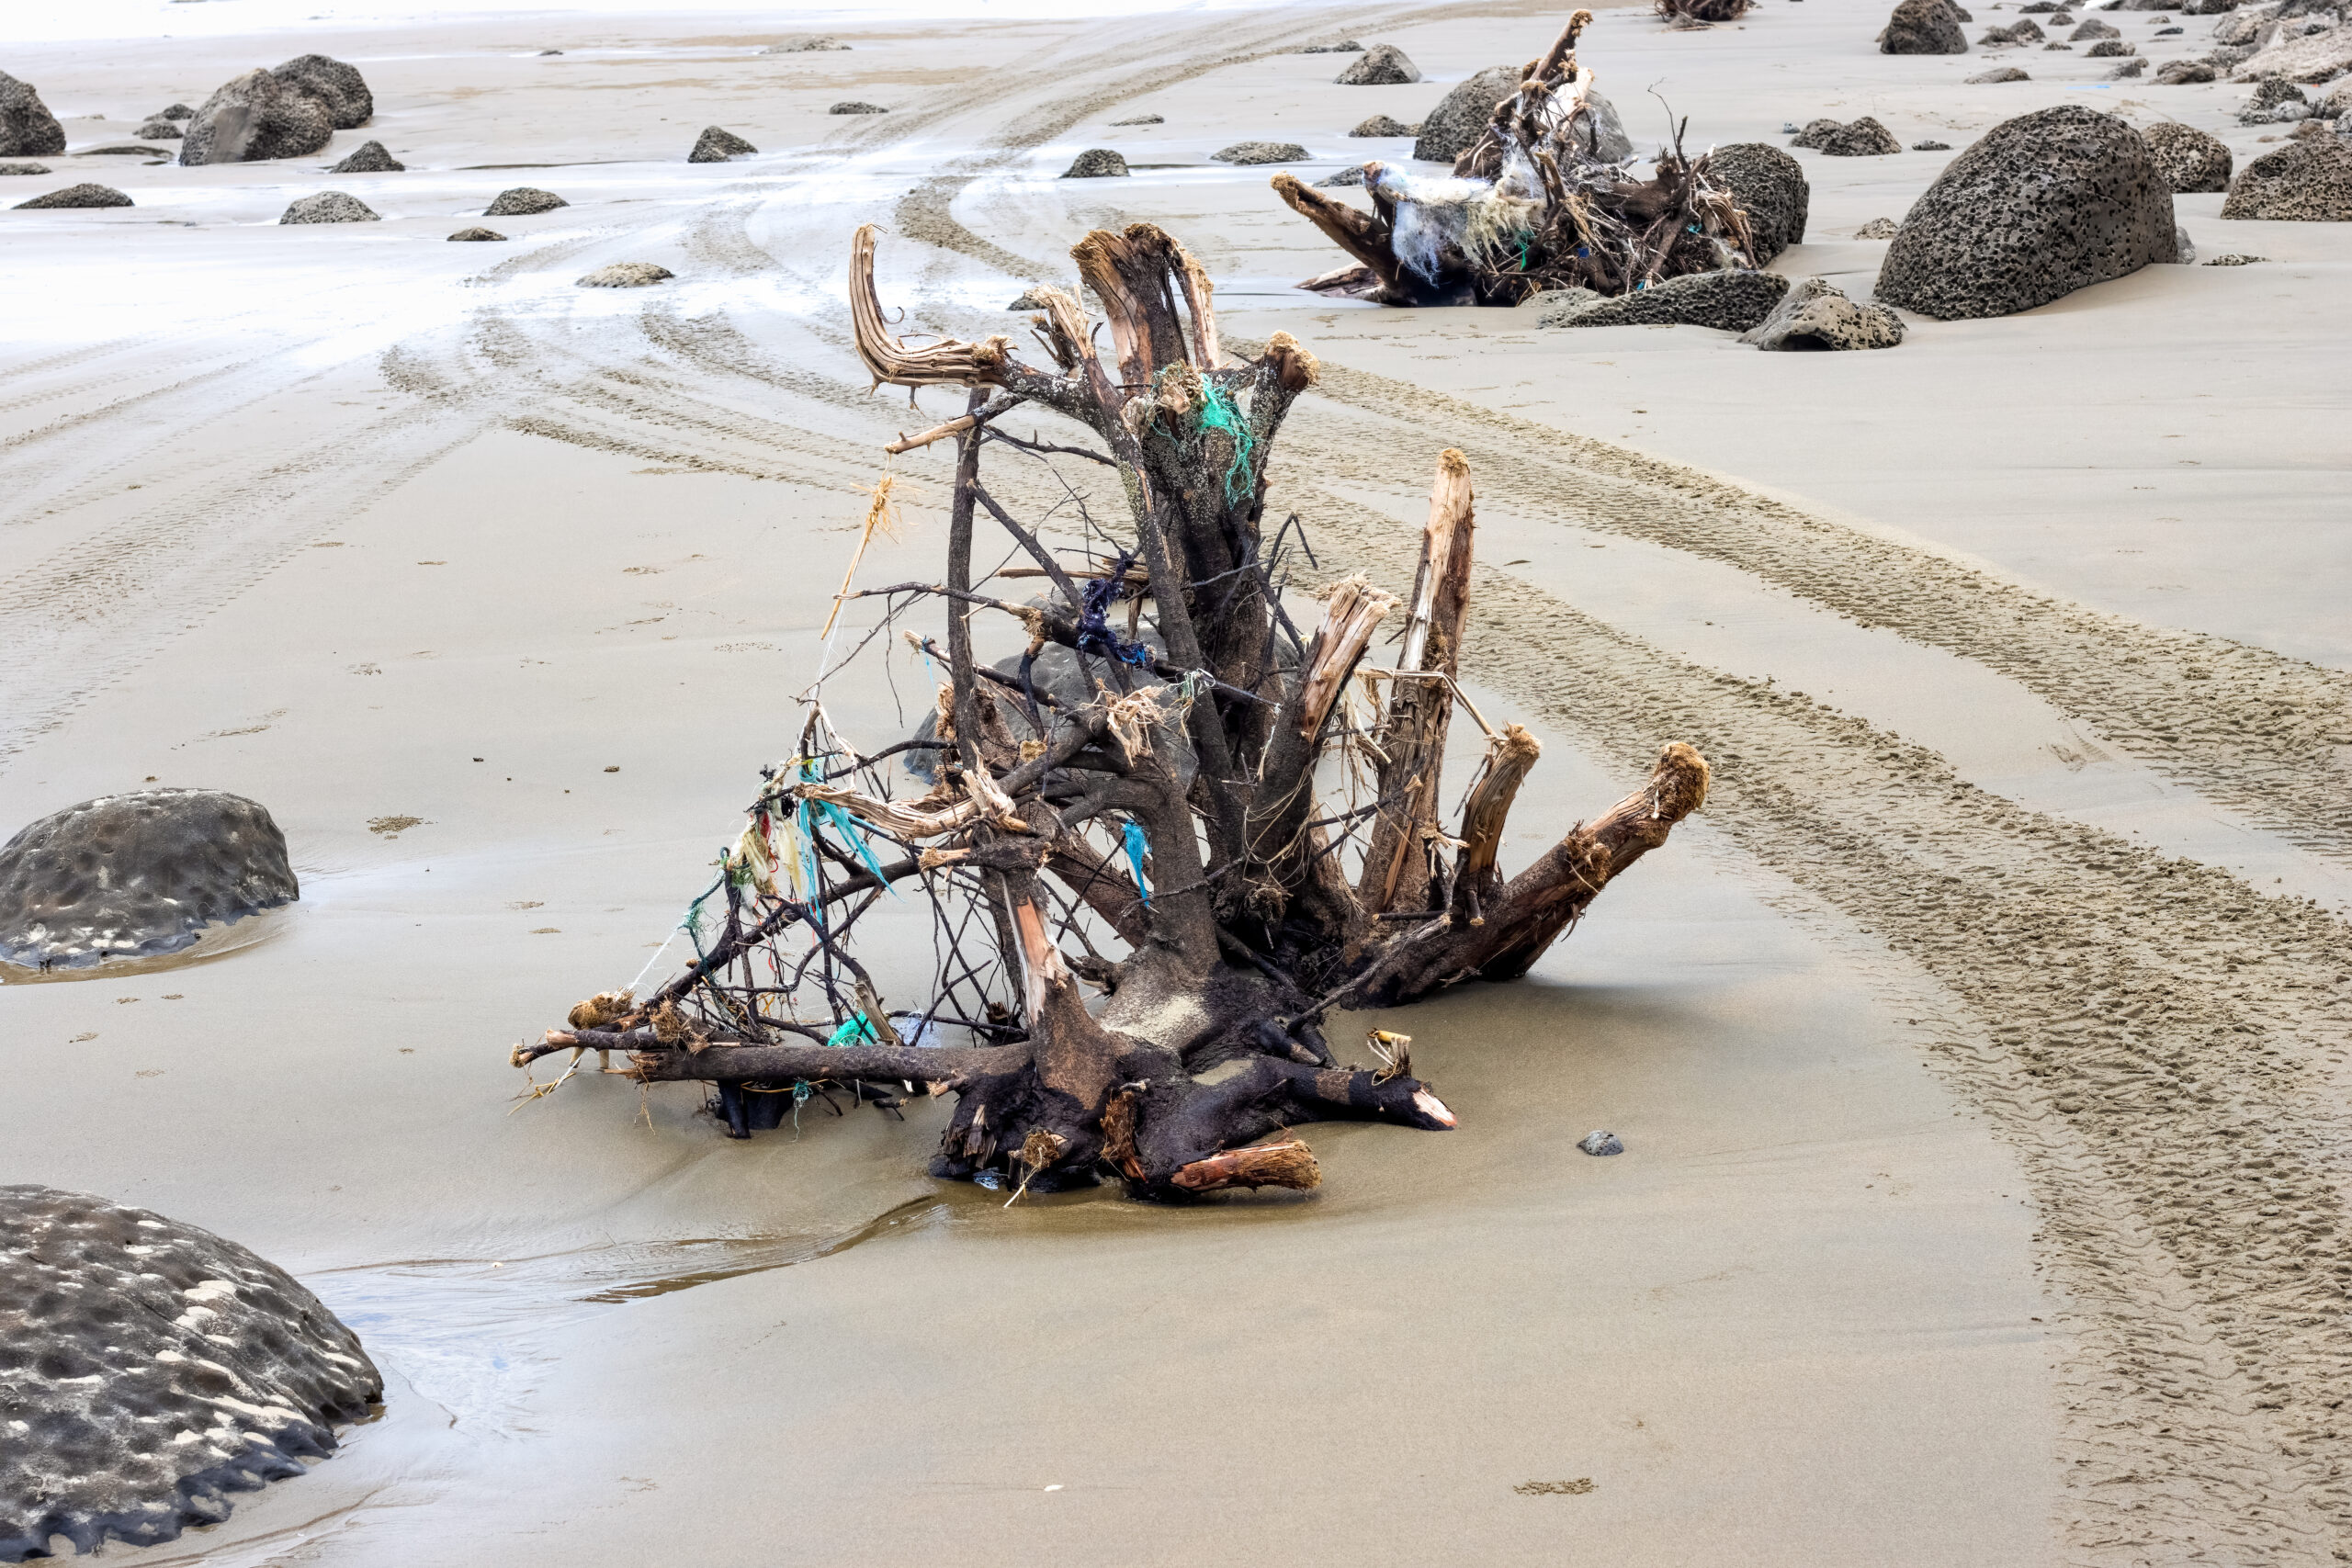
1531	207
1163	837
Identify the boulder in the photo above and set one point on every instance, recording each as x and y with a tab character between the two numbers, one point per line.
1814	130
2006	74
2129	69
1923	27
1864	138
716	145
150	1368
627	274
2312	57
2095	29
1097	163
1815	315
7	169
1770	188
2188	158
479	233
2036	207
369	158
177	111
1878	229
160	131
1382	125
337	86
806	44
83	194
1461	117
2184	73
2303	182
256	117
136	875
2109	48
853	106
1732	301
2016	32
330	207
1382	65
521	201
26	128
1261	152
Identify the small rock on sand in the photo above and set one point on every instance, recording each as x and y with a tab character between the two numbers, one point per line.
2182	73
1923	27
1770	187
2039	206
1730	300
1029	300
1261	152
177	111
1931	145
26	128
478	232
1350	176
369	158
338	88
521	201
716	145
2236	259
1878	229
2303	182
2111	49
807	45
160	131
2188	158
2014	33
1382	65
1598	1142
330	207
1345	46
2095	29
1816	317
1142	120
627	274
78	195
1383	125
1864	138
1814	130
853	105
7	169
2006	74
1096	164
2133	67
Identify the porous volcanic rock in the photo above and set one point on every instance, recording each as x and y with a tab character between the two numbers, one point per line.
1142	120
136	875
805	45
716	145
1923	27
2134	66
854	105
83	194
627	274
1261	152
160	131
2109	48
2092	27
2038	207
7	169
177	111
1345	46
1732	301
1383	125
1382	65
479	233
2188	158
2016	32
1097	163
338	87
1879	229
1931	145
1864	138
1770	187
369	158
2003	73
1351	178
1460	117
330	207
1815	315
2311	57
2303	182
2336	102
26	128
148	1368
521	201
254	117
2182	73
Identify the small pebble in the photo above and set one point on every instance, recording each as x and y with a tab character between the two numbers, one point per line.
1602	1143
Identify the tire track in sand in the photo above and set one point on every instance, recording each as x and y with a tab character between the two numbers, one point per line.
2160	1043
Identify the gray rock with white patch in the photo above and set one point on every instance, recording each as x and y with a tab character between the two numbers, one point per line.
256	117
137	875
148	1368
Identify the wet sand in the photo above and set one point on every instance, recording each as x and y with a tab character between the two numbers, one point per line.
1978	1051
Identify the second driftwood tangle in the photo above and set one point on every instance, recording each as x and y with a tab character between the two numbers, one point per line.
1154	824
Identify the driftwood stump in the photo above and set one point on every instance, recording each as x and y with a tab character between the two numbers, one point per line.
1194	761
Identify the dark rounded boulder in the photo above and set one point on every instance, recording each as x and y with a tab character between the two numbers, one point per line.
84	195
160	131
717	144
256	117
148	1368
330	207
1097	163
1382	65
338	87
2188	159
369	158
26	128
2303	182
1924	27
1769	188
1864	138
136	875
177	111
521	201
1462	116
2036	207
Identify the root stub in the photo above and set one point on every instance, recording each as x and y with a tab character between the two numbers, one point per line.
1136	809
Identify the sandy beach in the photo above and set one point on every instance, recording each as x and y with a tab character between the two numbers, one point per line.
1979	1050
